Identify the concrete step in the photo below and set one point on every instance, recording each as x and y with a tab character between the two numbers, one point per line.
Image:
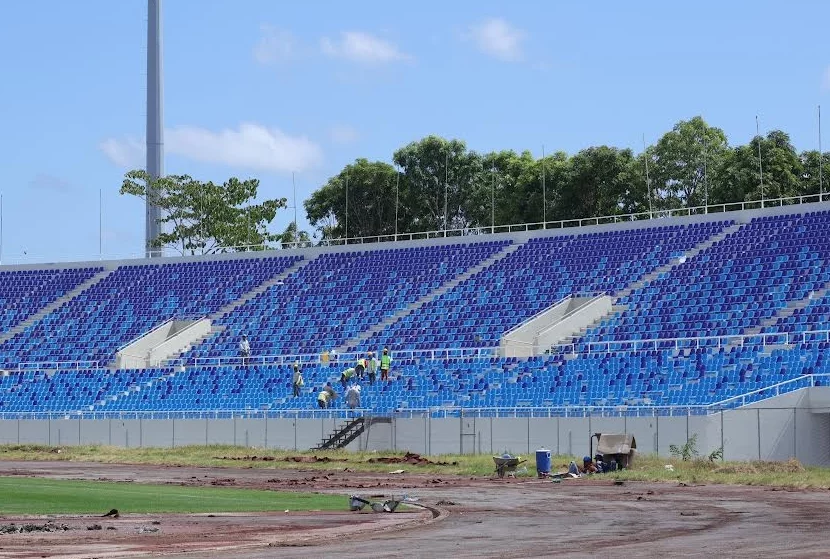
261	288
691	253
55	305
431	296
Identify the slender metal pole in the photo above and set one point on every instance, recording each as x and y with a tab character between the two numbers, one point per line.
446	190
493	202
397	194
705	178
820	160
294	184
100	224
346	232
544	193
760	165
648	180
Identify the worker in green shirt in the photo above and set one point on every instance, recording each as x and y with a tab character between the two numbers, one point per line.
385	362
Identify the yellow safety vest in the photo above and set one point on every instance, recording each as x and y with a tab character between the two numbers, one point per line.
385	361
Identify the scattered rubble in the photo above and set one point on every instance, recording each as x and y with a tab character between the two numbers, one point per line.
27	528
410	458
112	513
95	527
446	504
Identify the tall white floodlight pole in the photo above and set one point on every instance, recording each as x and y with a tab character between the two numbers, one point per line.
648	180
397	194
155	118
760	165
296	233
820	160
544	193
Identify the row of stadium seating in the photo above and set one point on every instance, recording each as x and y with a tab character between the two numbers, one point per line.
768	275
645	378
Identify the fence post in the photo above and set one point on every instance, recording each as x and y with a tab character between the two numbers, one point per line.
723	450
758	420
795	433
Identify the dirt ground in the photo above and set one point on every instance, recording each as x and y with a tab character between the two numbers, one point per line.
464	518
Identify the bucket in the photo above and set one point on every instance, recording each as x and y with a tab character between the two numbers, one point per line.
542	462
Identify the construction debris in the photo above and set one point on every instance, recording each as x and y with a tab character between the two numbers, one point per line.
112	513
411	458
26	528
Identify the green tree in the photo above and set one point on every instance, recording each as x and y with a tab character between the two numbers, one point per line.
204	217
598	184
739	178
438	173
810	172
371	203
683	161
291	238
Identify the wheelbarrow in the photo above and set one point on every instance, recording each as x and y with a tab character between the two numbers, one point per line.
507	464
357	503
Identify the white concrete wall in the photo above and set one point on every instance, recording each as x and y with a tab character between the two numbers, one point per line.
776	429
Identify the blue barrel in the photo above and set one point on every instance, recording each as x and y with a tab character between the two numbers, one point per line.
542	462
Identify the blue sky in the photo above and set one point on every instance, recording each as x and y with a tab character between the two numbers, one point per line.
258	88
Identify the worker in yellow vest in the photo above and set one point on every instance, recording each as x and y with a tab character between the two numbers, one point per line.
385	363
346	376
323	399
360	367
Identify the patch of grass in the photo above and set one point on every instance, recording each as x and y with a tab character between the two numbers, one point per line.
646	468
790	473
49	496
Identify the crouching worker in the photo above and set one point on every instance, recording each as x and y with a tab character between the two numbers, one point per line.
346	375
323	399
588	467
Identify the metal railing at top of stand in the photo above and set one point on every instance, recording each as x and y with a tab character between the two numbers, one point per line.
310	413
720	209
703	342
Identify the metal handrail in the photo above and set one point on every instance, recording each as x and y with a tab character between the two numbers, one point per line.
519	227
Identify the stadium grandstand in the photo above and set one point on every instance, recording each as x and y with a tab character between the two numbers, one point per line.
710	310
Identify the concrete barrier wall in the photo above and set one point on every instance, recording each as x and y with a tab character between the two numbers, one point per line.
750	433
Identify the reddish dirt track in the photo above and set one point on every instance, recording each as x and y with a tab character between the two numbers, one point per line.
476	518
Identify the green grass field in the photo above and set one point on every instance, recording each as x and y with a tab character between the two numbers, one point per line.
647	468
20	495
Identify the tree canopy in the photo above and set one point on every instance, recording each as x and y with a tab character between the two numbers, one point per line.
438	183
204	217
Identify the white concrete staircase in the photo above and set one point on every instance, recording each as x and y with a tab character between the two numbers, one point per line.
653	275
784	312
674	262
216	329
54	305
432	295
261	288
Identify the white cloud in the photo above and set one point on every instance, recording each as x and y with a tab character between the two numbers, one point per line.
362	47
127	153
825	82
342	134
497	38
274	46
250	146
